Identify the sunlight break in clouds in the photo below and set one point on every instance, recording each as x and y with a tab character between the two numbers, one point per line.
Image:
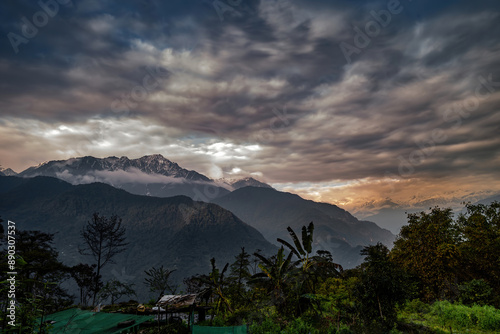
267	93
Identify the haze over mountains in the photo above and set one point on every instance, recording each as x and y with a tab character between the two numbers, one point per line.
176	232
152	175
392	215
336	230
179	232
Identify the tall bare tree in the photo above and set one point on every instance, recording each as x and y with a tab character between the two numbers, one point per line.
103	239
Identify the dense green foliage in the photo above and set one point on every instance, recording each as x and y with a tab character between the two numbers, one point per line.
37	282
434	258
453	317
175	232
453	260
442	276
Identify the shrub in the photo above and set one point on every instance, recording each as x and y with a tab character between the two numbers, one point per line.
464	317
268	326
417	306
477	291
488	318
299	326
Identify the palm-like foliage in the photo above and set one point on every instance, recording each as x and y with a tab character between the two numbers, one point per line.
320	264
275	275
308	268
216	284
304	249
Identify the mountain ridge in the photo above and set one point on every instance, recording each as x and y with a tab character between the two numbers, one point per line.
152	175
7	172
149	164
176	232
271	211
254	202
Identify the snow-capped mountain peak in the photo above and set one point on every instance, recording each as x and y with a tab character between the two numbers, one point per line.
153	175
149	164
244	182
7	172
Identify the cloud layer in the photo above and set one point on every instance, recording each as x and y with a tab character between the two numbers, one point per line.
263	88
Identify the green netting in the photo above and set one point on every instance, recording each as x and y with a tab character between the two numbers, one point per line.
220	330
85	322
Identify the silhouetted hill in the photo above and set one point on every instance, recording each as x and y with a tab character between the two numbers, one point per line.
271	211
176	232
9	182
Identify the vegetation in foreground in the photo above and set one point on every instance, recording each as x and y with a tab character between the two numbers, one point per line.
442	276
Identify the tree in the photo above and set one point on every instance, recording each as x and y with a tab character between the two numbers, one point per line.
158	280
38	280
217	283
311	266
240	274
115	289
103	239
84	276
380	289
303	251
275	276
428	248
479	244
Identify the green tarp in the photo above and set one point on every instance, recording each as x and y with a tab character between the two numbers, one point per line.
220	330
77	321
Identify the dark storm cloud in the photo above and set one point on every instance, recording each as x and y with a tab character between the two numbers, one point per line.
267	73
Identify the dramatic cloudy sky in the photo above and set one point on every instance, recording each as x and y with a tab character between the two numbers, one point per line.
366	104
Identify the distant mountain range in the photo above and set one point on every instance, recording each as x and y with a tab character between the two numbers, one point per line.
267	210
336	230
81	167
7	172
176	232
391	215
151	175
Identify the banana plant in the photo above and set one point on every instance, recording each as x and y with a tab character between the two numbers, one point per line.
275	274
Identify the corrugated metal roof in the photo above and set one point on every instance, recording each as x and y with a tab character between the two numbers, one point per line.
176	301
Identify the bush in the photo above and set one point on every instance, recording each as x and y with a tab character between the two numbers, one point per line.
417	306
459	316
488	317
299	326
477	291
268	326
454	316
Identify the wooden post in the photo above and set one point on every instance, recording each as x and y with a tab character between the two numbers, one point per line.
191	319
158	305
201	314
